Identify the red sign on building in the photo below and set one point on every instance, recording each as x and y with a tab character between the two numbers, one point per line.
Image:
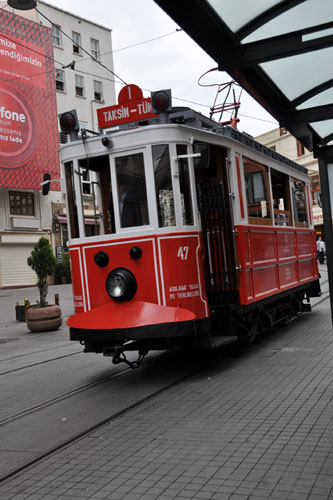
131	107
28	110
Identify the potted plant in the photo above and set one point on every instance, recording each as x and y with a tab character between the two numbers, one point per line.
43	317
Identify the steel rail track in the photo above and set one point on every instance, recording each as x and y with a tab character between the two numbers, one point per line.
37	362
96	426
79	389
99	381
64	396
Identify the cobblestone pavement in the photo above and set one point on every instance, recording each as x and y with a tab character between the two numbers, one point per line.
257	426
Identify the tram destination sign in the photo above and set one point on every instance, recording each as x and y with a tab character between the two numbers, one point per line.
131	107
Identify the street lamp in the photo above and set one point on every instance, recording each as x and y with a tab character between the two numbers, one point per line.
22	4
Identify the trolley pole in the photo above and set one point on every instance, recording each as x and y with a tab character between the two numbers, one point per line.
325	159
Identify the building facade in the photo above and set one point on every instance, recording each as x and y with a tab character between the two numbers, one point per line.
83	80
281	141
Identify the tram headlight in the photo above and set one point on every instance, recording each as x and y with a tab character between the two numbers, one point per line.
121	284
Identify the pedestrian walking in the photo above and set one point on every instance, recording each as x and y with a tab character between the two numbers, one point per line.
321	249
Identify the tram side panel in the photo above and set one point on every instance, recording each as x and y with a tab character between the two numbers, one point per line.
79	294
274	259
180	259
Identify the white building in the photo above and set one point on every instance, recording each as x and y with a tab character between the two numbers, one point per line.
83	62
84	81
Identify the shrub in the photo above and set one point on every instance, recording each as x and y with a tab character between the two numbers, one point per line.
43	262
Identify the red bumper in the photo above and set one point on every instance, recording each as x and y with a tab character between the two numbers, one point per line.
125	315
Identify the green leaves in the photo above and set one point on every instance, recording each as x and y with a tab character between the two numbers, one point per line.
43	262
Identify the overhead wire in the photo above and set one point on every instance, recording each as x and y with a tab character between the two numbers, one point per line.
121	81
135	44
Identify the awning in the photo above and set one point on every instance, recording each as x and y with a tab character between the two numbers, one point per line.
62	220
281	52
87	220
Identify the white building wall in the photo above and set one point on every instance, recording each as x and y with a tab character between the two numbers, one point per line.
84	66
286	144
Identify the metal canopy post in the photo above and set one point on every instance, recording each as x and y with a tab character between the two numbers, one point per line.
325	160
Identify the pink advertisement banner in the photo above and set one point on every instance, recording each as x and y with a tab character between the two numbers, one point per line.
28	112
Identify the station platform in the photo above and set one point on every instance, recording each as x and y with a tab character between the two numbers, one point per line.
258	425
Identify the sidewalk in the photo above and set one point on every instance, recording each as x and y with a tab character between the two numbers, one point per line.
11	296
258	426
18	345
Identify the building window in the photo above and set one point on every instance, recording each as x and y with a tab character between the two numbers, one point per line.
300	148
315	189
83	125
95	48
21	203
76	37
98	94
79	86
56	35
60	80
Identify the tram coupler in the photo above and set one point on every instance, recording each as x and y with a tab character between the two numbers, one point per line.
118	355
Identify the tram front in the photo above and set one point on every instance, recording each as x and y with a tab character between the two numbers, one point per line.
135	242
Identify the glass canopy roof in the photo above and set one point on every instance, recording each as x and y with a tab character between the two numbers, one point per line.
280	51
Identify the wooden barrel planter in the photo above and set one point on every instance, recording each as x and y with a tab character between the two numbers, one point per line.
44	319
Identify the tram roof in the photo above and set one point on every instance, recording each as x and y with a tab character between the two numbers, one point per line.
280	51
197	120
184	116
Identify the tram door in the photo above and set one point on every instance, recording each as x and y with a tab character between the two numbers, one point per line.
212	184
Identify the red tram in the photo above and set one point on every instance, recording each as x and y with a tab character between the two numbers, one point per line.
199	232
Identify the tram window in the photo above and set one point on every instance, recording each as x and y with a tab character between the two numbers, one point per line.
107	200
281	198
86	182
132	192
86	177
89	192
257	192
97	191
71	201
185	186
299	203
163	186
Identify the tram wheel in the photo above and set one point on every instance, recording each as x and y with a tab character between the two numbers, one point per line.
250	337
